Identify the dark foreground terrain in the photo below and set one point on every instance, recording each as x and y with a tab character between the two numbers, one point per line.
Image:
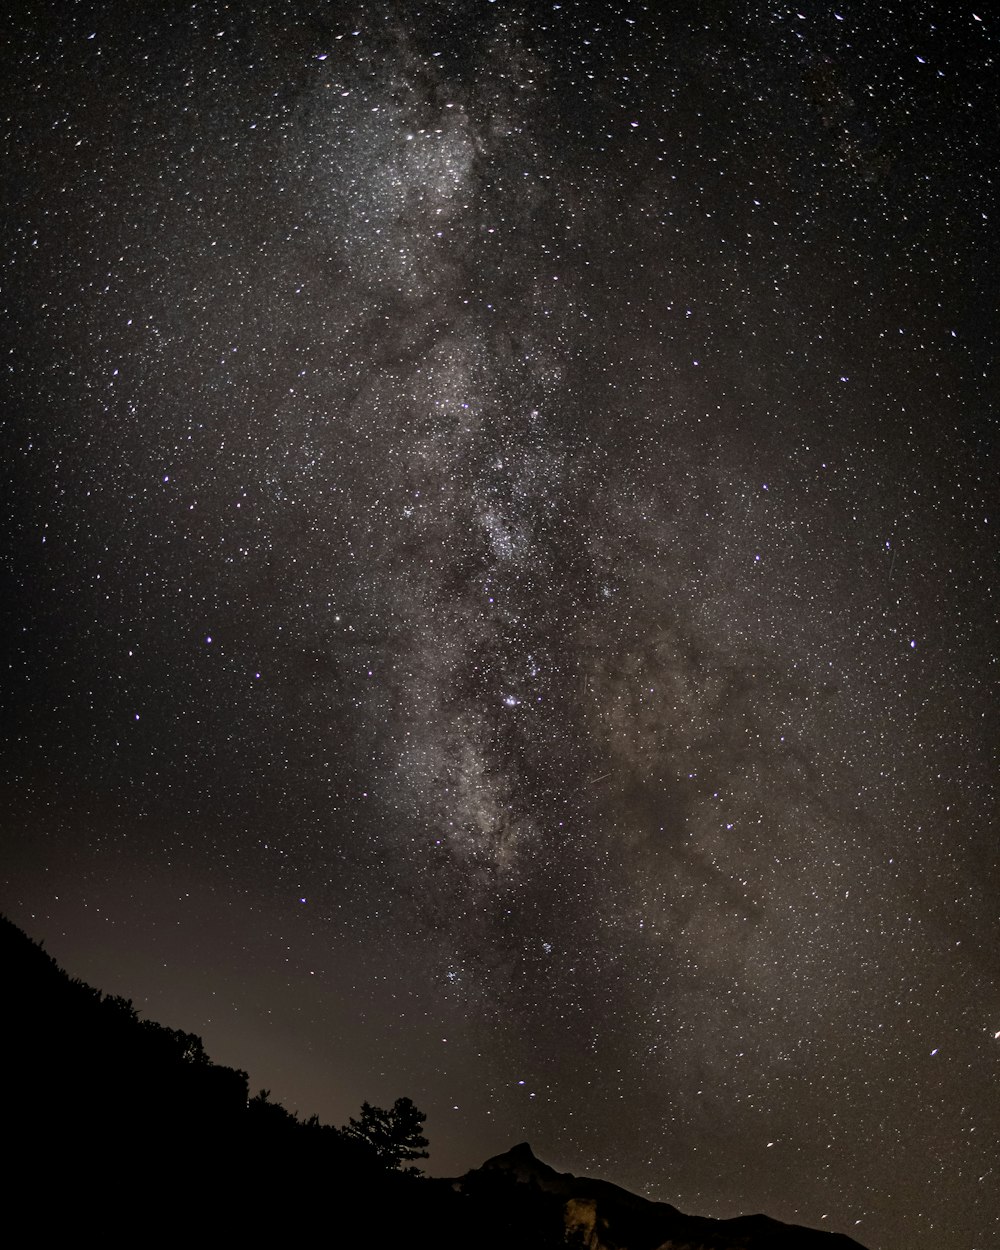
123	1129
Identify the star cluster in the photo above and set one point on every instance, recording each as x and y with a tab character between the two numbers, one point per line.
500	575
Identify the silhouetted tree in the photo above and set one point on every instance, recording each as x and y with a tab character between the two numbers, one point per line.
395	1136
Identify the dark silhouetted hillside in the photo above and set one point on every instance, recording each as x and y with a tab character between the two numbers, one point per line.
123	1130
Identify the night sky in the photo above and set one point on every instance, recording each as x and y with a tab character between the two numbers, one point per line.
499	573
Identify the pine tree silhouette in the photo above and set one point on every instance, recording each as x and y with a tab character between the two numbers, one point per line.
395	1136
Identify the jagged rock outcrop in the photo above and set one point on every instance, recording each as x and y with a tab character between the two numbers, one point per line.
599	1215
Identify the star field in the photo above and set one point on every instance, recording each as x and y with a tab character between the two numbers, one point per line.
500	573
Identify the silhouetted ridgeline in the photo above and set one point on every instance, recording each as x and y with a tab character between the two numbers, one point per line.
597	1215
123	1129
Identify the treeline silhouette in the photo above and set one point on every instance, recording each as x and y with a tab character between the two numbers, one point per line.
122	1128
123	1131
